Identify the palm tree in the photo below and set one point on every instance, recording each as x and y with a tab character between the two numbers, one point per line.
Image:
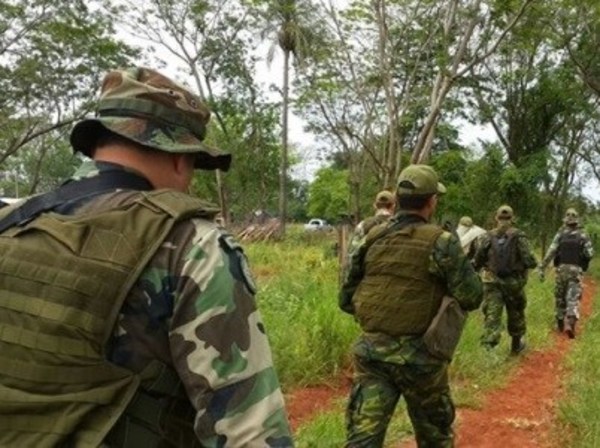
287	20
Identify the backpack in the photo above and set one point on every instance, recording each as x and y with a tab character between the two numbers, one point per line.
504	260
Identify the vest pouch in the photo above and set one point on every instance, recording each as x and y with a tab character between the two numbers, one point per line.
443	334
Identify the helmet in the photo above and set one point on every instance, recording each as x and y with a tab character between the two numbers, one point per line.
150	109
571	217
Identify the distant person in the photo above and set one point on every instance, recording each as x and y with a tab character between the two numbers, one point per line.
469	234
571	251
384	205
397	279
505	256
128	316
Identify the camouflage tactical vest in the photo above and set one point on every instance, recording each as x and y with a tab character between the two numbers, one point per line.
569	251
397	295
63	280
504	259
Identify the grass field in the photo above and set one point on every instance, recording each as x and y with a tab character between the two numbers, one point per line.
311	340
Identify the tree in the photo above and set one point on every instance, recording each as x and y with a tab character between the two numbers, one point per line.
52	55
210	40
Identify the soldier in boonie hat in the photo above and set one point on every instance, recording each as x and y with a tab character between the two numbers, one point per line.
420	180
150	109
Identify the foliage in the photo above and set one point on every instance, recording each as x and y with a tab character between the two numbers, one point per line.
328	194
52	56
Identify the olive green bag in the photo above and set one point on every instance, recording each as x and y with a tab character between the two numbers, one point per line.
443	334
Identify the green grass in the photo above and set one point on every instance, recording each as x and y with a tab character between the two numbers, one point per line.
579	410
311	338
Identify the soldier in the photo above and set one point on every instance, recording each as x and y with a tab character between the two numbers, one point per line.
469	234
505	255
384	205
128	316
394	287
571	250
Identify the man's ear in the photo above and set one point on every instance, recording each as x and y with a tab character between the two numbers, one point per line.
179	163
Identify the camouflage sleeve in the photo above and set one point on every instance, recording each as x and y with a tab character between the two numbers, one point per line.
481	252
450	263
588	247
551	251
353	274
525	252
220	349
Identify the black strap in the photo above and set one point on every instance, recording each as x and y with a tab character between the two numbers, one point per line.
74	190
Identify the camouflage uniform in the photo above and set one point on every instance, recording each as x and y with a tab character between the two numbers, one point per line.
192	309
506	292
568	286
384	205
387	367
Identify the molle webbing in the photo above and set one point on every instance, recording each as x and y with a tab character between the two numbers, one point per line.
62	283
398	296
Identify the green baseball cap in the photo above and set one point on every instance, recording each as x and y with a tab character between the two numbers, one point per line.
419	180
504	212
144	106
384	199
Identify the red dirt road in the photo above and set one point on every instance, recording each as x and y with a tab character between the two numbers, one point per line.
521	414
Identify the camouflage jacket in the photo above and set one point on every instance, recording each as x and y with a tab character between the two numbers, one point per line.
588	248
448	263
482	255
193	308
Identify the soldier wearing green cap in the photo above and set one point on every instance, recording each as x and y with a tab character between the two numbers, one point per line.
129	317
394	287
384	205
504	255
571	251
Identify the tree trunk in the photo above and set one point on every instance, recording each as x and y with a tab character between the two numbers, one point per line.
284	144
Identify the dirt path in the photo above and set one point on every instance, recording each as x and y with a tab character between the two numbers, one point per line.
521	414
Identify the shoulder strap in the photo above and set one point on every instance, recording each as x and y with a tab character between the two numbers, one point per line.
73	190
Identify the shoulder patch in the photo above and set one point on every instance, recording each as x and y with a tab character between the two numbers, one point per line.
232	246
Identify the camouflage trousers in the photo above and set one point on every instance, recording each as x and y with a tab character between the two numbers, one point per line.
567	291
377	388
506	293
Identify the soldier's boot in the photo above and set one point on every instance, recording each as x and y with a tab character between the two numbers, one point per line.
560	324
517	345
570	326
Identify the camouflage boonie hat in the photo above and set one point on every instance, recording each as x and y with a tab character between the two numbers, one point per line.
421	180
504	213
148	108
384	199
571	216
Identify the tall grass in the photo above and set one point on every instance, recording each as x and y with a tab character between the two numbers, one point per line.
311	338
298	286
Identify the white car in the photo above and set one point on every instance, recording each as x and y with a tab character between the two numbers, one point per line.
317	224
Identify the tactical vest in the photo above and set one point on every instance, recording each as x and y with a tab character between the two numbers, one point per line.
397	295
373	221
504	258
63	280
569	251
